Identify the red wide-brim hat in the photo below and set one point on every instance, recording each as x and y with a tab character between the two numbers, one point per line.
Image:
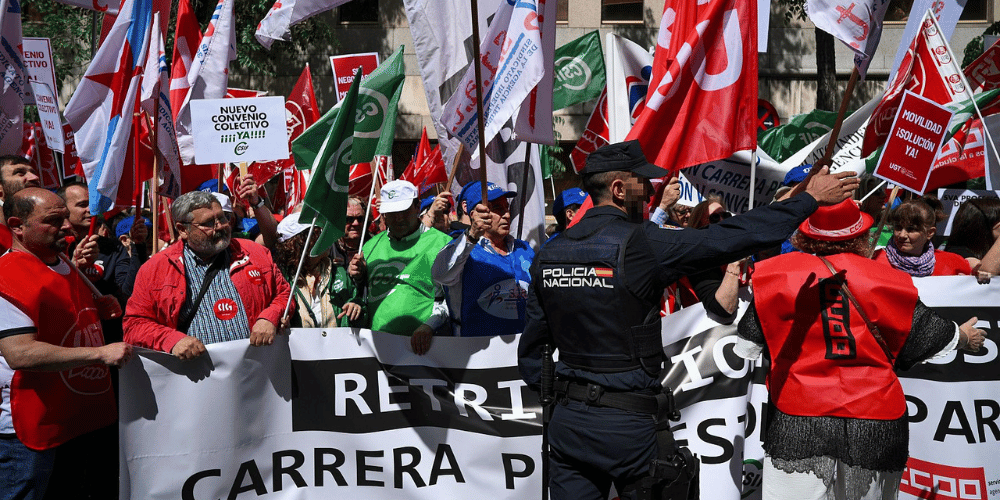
843	221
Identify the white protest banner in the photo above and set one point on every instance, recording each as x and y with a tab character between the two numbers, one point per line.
951	199
48	113
954	434
913	144
847	146
336	413
238	130
345	66
37	54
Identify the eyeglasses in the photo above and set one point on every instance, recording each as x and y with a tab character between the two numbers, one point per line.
211	224
718	217
351	220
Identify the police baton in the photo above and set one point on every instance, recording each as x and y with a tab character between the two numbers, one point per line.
546	398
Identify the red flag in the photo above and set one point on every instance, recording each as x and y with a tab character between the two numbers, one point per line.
43	159
961	158
928	70
984	72
163	219
186	42
427	167
596	135
703	105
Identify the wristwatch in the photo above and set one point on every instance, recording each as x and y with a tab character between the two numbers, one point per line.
260	202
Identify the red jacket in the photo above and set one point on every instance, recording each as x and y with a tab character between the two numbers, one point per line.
154	308
945	263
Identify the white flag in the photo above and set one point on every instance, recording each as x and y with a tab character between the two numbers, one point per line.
511	65
629	67
105	6
858	23
534	120
156	104
14	88
287	13
209	76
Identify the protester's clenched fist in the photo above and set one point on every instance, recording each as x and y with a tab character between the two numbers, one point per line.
188	348
481	219
671	193
356	268
116	354
86	251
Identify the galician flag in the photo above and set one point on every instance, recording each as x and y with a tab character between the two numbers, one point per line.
155	103
579	71
284	14
858	23
101	109
326	197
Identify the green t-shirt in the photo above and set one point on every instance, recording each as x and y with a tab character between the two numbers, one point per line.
400	288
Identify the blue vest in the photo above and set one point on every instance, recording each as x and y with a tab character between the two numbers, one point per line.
495	290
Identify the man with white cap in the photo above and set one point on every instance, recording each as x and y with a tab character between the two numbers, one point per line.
486	270
396	268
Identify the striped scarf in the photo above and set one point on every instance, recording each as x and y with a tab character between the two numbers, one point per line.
915	265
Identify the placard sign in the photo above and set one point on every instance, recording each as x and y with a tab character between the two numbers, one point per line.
914	141
235	130
345	66
38	62
951	199
48	113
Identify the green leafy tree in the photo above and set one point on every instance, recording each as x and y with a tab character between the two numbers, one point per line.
69	30
827	97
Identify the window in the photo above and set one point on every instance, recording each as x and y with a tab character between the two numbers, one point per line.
359	11
899	11
621	11
562	11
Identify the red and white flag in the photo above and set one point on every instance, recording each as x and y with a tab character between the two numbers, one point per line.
284	14
702	101
984	73
186	42
14	88
595	135
858	23
629	68
102	106
928	70
209	76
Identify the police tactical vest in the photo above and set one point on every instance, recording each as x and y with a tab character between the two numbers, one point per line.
596	322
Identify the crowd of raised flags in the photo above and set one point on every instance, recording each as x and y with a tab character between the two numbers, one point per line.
691	99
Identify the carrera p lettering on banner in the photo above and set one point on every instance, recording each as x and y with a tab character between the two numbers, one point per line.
362	396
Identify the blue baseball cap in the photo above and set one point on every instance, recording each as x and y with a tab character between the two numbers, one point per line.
568	198
125	226
474	193
212	186
796	175
426	203
462	197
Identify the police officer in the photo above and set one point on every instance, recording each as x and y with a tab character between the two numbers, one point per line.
595	296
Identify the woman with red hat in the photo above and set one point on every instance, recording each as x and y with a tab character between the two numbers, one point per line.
837	425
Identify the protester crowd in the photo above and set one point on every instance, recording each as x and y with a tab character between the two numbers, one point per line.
443	265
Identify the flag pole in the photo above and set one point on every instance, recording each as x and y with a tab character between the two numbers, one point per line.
454	165
873	191
368	213
298	270
481	122
881	222
753	178
521	191
968	92
841	114
155	187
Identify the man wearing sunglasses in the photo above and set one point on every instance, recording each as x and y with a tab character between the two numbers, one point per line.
207	287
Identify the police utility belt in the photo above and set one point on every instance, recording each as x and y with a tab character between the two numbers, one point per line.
661	404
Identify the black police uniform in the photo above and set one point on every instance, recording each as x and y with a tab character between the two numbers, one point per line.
595	295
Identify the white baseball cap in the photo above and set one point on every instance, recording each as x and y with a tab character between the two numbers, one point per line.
397	196
227	206
290	227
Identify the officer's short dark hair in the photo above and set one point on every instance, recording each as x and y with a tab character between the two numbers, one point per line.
598	185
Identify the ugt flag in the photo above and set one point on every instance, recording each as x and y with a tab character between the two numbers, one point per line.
579	71
858	23
702	101
326	197
101	109
928	69
14	88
